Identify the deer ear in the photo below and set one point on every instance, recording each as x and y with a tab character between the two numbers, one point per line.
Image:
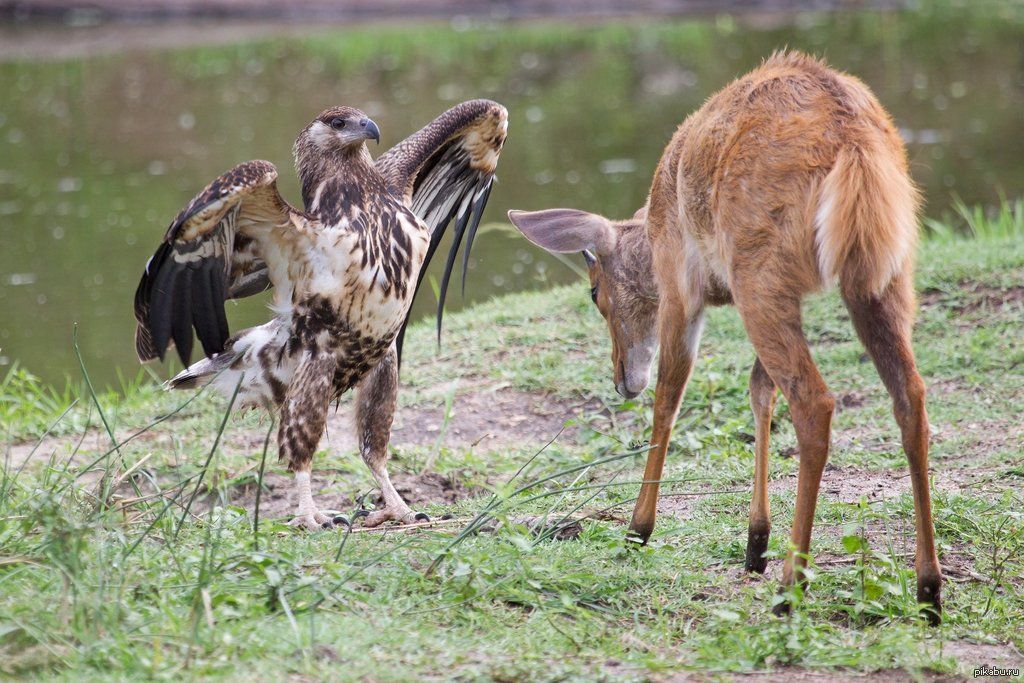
566	230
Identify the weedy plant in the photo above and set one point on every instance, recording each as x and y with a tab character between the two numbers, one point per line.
1006	220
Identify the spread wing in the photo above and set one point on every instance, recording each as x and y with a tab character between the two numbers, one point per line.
444	172
215	249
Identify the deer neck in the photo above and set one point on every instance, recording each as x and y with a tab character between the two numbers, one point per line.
635	259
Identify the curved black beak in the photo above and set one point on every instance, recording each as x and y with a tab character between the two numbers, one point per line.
370	130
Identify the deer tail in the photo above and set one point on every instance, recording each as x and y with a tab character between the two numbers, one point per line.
866	223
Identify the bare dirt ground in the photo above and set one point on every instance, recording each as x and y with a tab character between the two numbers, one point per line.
484	416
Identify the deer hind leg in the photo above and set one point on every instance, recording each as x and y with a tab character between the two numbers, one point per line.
773	323
376	398
679	334
762	402
883	324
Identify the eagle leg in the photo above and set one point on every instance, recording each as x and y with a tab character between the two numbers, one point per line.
307	516
303	418
376	398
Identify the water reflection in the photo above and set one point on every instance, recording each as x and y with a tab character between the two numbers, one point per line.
97	154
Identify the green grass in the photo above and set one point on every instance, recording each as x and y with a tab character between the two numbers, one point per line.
102	579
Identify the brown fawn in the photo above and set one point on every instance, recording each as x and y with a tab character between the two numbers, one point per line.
789	179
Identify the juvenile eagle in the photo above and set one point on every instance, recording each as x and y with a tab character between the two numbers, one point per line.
344	272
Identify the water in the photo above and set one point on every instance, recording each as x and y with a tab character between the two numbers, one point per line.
98	153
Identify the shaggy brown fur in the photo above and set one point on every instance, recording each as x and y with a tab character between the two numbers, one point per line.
788	179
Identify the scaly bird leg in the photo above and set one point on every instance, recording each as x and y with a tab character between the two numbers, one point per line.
307	515
303	418
376	398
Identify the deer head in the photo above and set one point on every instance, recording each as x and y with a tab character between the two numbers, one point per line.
618	257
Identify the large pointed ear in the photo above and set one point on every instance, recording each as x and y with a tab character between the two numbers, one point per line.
566	230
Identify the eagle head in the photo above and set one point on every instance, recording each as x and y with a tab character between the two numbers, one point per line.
343	130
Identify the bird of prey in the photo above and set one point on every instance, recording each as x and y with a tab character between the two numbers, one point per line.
344	272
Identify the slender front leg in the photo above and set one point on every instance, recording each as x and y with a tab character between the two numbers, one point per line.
679	334
303	418
762	402
376	399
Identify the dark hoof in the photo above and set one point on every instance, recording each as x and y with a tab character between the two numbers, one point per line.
422	517
756	564
757	544
639	533
340	520
327	525
781	609
447	515
930	596
360	513
635	539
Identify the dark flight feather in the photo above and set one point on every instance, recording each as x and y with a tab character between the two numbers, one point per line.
445	171
195	270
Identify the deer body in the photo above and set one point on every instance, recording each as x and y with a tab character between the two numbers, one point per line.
789	179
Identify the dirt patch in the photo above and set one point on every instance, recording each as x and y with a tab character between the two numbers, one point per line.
681	503
850	400
335	494
482	416
330	491
488	417
972	297
972	656
979	439
848	484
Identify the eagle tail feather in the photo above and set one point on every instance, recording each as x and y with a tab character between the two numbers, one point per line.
202	372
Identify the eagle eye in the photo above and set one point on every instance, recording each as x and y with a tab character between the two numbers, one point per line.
337	123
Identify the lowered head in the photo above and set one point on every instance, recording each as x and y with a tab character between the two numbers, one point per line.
622	287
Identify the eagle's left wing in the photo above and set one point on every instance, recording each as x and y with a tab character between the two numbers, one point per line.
445	171
227	243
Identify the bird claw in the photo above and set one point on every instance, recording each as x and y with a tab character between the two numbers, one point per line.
400	515
329	519
318	520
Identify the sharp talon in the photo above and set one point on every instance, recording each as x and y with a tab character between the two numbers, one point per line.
340	520
360	513
422	517
327	525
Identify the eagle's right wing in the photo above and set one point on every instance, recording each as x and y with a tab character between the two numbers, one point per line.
223	245
444	172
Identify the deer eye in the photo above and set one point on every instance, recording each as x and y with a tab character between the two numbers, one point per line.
593	294
337	123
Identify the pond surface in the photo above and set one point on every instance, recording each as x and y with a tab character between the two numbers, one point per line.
97	154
